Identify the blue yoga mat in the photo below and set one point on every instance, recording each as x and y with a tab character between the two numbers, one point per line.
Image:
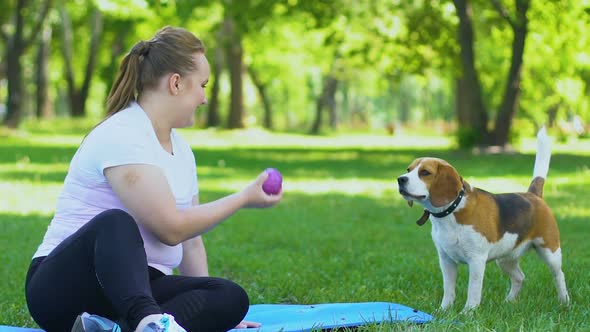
295	318
292	317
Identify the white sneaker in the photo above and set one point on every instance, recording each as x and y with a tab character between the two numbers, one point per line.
86	322
165	324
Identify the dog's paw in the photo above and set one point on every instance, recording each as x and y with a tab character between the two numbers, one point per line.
447	303
565	300
441	310
469	308
510	299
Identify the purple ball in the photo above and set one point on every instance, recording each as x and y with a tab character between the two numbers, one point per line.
274	182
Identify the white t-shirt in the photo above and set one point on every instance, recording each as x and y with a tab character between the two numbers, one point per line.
127	137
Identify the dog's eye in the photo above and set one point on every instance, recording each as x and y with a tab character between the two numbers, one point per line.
408	169
424	173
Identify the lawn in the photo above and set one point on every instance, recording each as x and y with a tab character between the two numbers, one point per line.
341	234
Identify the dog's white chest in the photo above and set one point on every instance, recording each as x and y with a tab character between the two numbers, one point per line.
462	243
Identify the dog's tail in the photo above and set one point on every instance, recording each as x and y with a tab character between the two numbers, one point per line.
542	160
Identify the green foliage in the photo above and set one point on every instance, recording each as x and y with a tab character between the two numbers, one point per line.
429	38
468	137
522	128
341	234
555	59
386	54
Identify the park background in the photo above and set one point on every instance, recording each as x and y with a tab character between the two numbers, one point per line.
340	96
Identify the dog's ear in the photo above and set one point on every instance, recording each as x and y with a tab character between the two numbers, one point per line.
446	186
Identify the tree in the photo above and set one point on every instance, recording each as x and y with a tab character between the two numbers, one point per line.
234	58
116	34
43	102
17	44
238	19
474	99
261	86
510	101
326	100
471	111
218	62
78	95
357	41
556	78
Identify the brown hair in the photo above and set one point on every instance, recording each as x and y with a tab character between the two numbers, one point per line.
171	50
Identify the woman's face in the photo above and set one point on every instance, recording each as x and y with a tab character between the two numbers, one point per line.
192	91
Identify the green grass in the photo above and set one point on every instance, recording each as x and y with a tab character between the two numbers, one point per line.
341	233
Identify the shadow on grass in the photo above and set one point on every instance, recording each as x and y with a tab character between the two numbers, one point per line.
35	154
323	249
20	235
306	250
326	163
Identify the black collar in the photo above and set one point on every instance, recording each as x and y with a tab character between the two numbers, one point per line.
451	208
444	213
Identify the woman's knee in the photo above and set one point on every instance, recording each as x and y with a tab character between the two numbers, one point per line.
238	296
117	216
226	305
235	301
116	220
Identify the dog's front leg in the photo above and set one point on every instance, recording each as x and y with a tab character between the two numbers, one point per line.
477	267
449	272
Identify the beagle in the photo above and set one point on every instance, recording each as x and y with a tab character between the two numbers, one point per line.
473	226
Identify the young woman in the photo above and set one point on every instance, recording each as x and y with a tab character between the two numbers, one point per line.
129	211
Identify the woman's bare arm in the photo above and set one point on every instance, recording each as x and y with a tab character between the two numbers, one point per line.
145	192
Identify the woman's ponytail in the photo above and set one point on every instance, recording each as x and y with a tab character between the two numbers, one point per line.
126	84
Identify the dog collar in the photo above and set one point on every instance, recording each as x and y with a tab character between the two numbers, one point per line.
444	213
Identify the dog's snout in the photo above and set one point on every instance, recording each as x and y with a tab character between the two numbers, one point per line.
402	180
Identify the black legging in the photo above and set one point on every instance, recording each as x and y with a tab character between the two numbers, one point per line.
102	269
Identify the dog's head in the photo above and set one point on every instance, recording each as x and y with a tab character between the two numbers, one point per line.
431	182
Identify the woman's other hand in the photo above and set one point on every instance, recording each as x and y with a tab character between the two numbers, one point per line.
247	325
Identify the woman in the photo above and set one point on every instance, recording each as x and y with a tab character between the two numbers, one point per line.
129	212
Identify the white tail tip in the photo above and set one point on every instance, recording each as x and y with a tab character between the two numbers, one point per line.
542	133
543	156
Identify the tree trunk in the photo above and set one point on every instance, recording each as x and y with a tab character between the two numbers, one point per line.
16	46
67	44
235	62
267	122
317	123
330	101
552	114
345	102
121	30
471	111
79	110
15	86
213	117
43	104
77	97
326	99
3	64
510	100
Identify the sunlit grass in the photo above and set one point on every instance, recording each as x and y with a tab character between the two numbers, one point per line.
342	232
257	138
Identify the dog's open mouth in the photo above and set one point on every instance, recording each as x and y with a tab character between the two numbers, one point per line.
407	195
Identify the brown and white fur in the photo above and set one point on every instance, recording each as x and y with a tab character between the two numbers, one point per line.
485	226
